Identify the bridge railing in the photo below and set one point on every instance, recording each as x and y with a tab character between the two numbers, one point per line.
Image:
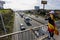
27	34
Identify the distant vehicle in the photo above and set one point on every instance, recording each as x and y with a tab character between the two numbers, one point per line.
22	27
27	20
22	15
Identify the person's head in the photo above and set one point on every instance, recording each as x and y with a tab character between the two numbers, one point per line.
51	13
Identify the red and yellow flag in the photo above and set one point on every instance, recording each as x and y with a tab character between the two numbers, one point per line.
51	26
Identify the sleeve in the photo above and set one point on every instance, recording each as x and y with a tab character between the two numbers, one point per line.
47	18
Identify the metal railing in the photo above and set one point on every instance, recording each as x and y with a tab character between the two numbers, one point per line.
24	35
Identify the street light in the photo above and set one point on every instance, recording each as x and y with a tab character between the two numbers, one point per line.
3	23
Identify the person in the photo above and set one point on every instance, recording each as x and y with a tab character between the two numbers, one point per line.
51	24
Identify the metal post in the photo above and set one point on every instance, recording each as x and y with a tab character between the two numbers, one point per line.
43	7
3	23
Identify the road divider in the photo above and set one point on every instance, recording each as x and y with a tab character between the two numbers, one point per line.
37	21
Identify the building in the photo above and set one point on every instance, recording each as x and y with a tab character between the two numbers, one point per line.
1	4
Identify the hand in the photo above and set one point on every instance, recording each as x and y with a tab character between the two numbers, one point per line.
46	19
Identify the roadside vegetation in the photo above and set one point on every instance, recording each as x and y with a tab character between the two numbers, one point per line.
8	18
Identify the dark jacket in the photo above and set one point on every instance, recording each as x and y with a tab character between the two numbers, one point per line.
51	22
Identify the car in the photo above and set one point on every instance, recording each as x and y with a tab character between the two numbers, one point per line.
22	27
27	20
22	15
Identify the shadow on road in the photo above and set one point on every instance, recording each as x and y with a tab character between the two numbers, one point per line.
28	24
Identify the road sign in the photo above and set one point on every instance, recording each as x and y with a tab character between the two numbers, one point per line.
43	2
36	7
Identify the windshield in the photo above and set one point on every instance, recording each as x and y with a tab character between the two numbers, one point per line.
27	19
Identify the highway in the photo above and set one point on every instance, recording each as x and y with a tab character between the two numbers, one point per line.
25	35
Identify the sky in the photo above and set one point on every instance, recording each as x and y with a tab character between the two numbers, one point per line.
29	4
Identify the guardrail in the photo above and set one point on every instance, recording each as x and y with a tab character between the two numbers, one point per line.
23	35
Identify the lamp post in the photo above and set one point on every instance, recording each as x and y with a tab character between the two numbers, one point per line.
3	24
1	7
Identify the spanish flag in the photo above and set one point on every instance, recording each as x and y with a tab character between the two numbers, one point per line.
52	26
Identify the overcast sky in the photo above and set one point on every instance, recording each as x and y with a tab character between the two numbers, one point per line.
29	4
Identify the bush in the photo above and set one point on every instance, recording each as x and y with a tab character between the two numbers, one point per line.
8	18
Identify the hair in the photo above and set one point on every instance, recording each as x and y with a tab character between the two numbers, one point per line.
52	16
